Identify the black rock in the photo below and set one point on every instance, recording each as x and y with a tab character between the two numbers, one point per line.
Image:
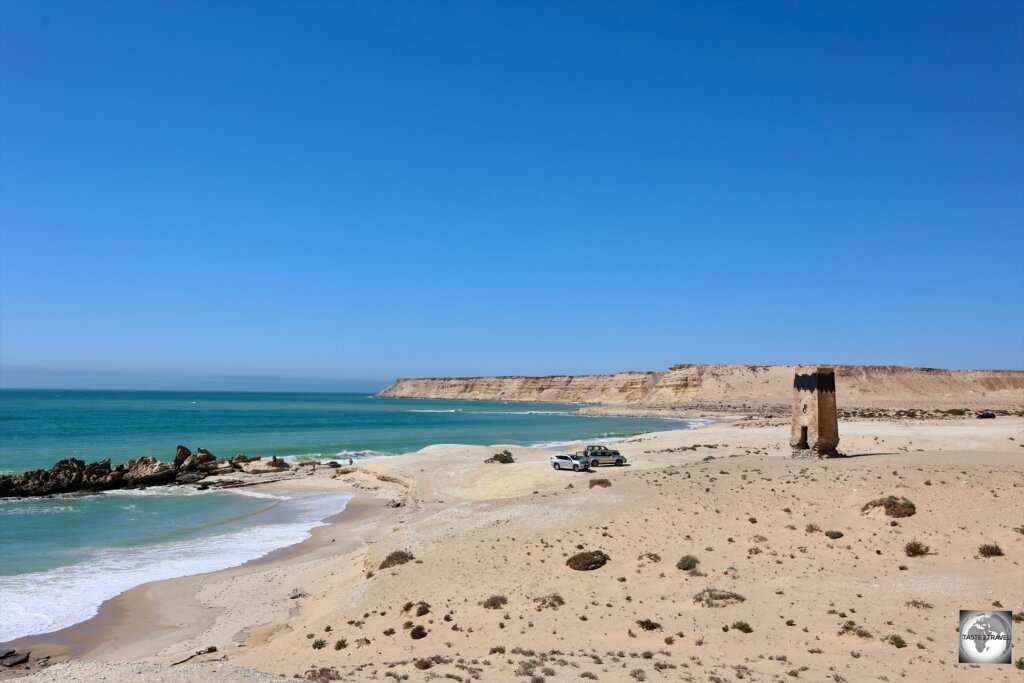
15	659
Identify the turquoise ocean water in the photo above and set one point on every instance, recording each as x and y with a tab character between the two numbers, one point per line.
61	557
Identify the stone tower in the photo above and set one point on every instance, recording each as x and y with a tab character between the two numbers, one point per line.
815	422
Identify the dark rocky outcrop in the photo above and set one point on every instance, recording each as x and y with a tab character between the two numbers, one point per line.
14	658
181	456
75	476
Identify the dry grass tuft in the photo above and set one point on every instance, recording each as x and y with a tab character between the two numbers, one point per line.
894	507
397	558
712	597
990	550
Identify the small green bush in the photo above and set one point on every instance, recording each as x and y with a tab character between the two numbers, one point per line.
742	627
319	644
603	483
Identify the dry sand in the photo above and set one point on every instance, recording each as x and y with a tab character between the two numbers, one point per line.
728	494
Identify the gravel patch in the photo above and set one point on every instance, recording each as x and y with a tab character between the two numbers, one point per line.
90	671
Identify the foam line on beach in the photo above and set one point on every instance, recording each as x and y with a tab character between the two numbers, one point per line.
46	601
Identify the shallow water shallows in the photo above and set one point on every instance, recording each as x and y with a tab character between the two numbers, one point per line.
64	556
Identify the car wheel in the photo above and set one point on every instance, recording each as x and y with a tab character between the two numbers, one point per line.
555	465
575	468
618	463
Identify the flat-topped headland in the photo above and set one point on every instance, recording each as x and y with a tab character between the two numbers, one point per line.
736	388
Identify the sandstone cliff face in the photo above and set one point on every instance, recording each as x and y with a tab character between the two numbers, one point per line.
755	385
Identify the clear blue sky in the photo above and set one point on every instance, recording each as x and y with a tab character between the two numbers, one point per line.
276	192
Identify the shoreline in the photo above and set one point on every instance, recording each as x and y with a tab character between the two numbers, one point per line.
113	630
477	530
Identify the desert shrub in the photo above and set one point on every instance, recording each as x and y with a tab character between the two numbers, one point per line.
423	664
687	563
340	644
398	557
894	507
552	601
638	674
713	597
648	625
742	627
897	641
812	528
587	561
834	535
323	674
319	644
915	549
505	458
495	602
990	550
919	604
498	650
417	632
851	628
603	483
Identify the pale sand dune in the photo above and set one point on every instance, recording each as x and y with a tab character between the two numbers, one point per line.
480	530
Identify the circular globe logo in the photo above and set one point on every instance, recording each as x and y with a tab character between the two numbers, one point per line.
984	637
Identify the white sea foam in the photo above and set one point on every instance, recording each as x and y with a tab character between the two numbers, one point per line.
42	602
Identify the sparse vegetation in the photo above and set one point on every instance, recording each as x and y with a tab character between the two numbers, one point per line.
812	528
896	641
712	597
552	601
851	628
742	627
894	507
340	644
319	644
990	550
587	561
417	632
687	563
916	549
495	602
648	625
919	604
504	458
603	483
397	558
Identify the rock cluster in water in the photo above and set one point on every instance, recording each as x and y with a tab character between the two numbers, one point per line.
73	475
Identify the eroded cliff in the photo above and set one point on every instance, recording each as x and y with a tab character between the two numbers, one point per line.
753	385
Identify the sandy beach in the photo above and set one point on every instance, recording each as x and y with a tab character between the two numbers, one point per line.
491	597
